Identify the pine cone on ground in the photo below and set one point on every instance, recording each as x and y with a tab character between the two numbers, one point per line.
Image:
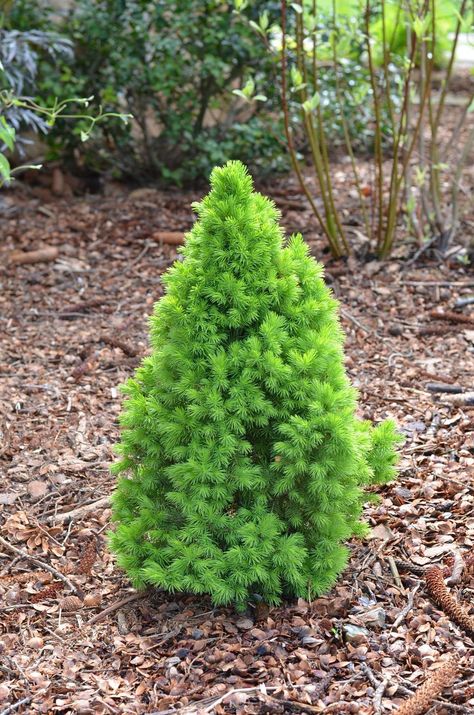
49	592
423	699
445	600
71	603
87	561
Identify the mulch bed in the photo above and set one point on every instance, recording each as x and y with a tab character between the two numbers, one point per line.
73	330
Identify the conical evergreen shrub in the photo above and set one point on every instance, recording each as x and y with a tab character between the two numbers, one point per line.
244	461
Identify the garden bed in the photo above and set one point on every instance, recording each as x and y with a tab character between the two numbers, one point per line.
73	329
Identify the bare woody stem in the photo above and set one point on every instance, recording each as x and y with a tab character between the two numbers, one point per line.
322	138
345	128
378	131
289	137
397	179
317	143
436	117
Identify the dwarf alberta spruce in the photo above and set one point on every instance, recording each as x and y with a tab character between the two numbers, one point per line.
244	461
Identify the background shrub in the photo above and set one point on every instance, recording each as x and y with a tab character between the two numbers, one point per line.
176	66
173	66
24	41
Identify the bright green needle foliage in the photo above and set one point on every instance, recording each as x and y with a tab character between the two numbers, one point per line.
244	461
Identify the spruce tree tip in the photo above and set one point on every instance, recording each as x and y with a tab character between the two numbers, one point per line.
232	179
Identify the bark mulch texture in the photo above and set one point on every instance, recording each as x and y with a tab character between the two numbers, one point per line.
74	636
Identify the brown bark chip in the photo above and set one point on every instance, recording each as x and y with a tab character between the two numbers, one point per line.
42	255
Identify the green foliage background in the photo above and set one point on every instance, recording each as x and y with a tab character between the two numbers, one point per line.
175	65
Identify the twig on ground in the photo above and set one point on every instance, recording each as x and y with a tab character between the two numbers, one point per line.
78	513
172	238
434	329
440	284
290	204
461	302
451	316
14	706
350	317
41	255
167	637
7	568
115	606
292	705
425	247
42	564
406	610
369	673
439	387
378	695
82	306
395	574
142	253
207	705
399	401
343	706
463	400
115	342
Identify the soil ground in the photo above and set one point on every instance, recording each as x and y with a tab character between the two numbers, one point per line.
72	331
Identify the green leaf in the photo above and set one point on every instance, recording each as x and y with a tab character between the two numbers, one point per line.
311	104
297	7
296	78
239	93
7	134
84	100
420	26
420	176
249	88
255	26
5	170
84	136
264	21
24	167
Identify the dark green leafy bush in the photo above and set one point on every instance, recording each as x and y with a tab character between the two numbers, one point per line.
21	50
242	461
173	66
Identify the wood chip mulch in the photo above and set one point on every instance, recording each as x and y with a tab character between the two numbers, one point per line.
72	330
